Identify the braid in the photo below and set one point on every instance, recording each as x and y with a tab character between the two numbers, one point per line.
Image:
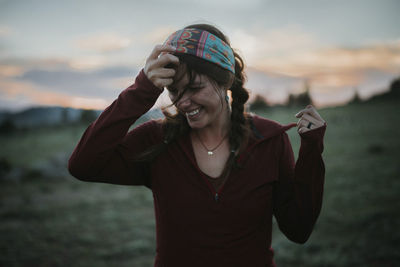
239	125
239	131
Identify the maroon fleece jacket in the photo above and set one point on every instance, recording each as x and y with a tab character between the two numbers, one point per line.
196	226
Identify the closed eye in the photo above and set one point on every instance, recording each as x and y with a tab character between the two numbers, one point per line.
195	88
172	90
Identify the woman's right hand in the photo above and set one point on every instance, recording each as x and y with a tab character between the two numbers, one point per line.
155	69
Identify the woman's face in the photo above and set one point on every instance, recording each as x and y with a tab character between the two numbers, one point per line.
202	103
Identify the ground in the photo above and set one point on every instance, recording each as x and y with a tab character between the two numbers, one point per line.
50	219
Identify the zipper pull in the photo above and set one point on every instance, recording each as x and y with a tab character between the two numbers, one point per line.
216	197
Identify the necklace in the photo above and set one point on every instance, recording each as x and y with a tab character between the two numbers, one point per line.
210	152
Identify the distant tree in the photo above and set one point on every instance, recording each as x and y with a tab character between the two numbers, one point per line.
302	99
395	88
7	126
64	116
5	167
88	116
258	103
356	97
393	93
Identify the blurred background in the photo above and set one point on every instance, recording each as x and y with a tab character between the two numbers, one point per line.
62	62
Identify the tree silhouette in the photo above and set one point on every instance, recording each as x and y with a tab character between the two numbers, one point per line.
302	99
395	88
356	97
7	127
88	116
258	103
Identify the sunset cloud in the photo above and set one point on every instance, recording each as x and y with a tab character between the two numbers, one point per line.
279	62
10	70
265	48
88	62
4	30
158	35
288	52
54	82
18	95
104	42
294	52
368	69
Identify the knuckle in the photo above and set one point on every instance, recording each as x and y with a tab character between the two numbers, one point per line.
172	72
158	47
152	76
158	83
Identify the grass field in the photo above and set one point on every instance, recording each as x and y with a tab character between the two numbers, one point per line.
47	218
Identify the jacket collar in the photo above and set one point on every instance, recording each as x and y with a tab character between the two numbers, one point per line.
262	130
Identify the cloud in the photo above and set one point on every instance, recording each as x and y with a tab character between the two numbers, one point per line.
97	83
158	35
293	51
11	67
10	70
17	95
273	86
87	62
4	30
104	42
329	70
53	82
262	47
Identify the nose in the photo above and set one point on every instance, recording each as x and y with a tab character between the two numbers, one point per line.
184	102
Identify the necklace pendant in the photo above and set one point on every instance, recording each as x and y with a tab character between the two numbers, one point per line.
210	153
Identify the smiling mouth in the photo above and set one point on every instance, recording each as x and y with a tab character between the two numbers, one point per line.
193	112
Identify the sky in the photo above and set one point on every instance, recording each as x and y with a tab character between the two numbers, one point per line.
82	54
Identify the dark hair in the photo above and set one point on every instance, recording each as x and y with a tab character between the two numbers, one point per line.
176	125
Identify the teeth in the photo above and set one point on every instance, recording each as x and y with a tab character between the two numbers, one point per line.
194	112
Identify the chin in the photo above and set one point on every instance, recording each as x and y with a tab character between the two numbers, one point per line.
196	124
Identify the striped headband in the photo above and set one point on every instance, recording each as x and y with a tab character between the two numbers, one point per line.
203	44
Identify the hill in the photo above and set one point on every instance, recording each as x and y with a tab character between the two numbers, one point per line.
50	116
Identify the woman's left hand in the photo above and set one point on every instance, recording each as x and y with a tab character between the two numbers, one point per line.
309	119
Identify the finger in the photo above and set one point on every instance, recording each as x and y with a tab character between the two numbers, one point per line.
301	112
164	73
303	130
303	123
311	119
158	49
163	82
160	73
152	66
311	111
165	60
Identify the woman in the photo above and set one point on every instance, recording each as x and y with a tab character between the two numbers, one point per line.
217	174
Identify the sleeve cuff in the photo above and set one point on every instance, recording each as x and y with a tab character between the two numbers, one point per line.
143	80
313	139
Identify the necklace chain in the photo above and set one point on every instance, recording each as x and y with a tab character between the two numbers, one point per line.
210	152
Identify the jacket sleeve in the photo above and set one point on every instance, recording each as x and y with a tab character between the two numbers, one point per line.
105	151
299	189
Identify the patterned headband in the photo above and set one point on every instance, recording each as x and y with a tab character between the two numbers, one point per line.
204	45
